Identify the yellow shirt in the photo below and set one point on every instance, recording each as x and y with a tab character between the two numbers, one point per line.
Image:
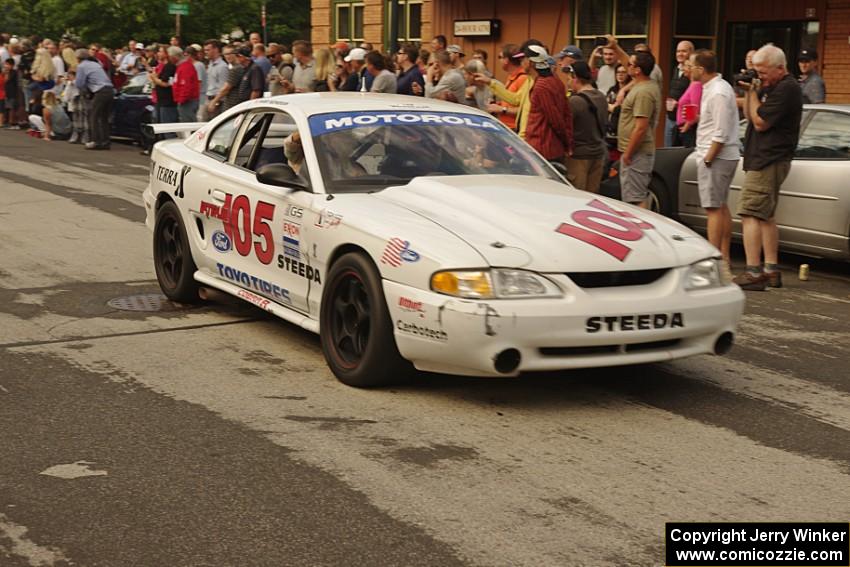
520	99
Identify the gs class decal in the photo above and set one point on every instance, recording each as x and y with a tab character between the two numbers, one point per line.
595	228
237	217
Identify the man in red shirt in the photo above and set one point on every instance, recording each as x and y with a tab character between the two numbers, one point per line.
96	51
186	88
550	122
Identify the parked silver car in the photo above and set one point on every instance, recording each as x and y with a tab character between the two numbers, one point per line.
814	206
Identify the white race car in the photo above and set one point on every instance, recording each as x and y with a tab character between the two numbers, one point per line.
405	230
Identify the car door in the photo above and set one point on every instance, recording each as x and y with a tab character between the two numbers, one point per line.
209	190
813	212
269	221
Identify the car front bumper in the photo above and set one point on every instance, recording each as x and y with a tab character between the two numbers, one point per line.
585	328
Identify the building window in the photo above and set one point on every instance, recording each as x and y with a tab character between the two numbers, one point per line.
408	15
697	23
628	20
348	21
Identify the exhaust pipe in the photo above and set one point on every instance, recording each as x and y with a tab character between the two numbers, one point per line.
724	343
507	361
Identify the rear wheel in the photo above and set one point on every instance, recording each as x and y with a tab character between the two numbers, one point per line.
356	331
172	257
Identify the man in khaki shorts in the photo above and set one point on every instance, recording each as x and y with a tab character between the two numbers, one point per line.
638	118
773	105
716	152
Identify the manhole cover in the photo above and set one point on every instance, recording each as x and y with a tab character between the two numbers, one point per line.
149	302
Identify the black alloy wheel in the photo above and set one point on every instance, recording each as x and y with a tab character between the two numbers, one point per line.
355	327
175	268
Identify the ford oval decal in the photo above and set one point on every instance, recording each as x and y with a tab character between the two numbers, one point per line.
221	241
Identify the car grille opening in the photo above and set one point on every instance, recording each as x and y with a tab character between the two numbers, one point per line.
609	349
615	279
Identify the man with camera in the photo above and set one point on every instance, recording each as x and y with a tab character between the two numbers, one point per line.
612	56
773	106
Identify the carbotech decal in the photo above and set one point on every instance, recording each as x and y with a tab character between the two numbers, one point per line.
299	268
421	331
261	285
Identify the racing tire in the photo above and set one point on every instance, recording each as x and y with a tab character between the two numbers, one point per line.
659	198
356	331
146	136
172	256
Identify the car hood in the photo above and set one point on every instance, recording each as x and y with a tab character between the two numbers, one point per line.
513	221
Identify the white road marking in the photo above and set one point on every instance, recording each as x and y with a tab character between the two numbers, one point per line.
36	555
71	471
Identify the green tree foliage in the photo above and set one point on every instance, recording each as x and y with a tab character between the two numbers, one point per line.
113	22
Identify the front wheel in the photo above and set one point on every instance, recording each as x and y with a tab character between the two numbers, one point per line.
659	198
355	327
172	257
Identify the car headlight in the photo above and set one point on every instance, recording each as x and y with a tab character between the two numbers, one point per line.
704	275
493	284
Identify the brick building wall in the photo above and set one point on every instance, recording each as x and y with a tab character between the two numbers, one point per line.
835	61
321	22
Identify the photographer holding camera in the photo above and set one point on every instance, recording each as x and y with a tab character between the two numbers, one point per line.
773	106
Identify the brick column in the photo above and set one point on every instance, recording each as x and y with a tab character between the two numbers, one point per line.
321	23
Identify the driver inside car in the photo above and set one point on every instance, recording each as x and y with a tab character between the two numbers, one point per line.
293	150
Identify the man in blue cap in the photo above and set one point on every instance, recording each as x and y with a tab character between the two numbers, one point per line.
814	90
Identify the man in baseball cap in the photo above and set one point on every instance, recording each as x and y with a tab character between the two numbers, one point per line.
549	126
357	76
456	54
568	56
814	89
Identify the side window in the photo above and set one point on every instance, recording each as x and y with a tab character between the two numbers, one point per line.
253	133
221	139
270	149
827	136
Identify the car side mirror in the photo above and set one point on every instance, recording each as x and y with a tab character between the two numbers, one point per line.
560	168
281	175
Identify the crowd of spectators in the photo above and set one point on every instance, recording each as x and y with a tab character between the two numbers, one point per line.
197	82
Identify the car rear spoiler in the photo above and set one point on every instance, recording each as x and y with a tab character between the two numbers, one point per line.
183	129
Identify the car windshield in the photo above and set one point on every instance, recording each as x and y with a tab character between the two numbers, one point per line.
137	85
369	151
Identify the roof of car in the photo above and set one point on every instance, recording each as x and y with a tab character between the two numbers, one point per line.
321	103
831	107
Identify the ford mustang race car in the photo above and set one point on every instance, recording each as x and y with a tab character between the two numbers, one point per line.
405	230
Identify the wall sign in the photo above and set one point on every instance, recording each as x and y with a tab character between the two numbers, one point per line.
477	28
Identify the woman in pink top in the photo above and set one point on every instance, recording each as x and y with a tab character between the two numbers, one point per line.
687	111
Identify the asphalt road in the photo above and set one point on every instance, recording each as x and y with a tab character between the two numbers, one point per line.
217	436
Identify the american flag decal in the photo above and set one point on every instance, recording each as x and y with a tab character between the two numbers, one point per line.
393	251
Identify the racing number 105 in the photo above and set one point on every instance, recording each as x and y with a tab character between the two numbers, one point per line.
614	226
242	239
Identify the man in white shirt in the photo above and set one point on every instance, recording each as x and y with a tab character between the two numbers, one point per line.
717	152
216	75
305	73
55	57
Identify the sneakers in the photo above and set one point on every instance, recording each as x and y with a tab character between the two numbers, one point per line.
752	282
774	279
